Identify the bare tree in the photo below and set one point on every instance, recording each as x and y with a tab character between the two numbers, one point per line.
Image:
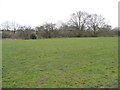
14	26
6	25
49	27
79	21
25	32
96	22
40	31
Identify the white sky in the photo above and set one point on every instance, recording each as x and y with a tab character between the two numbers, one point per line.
37	12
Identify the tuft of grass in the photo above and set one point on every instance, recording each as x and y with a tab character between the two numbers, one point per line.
60	63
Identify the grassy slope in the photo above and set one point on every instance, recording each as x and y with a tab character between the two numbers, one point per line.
74	62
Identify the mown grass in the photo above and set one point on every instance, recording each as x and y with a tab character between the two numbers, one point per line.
60	63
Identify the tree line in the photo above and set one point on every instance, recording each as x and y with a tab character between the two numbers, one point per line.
80	24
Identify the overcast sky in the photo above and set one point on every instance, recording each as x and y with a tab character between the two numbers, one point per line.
37	12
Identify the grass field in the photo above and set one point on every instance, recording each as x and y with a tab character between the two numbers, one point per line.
60	63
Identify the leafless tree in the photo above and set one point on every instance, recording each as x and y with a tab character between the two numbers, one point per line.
79	21
96	22
49	28
14	26
6	25
25	32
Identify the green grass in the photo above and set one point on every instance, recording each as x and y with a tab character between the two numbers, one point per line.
60	63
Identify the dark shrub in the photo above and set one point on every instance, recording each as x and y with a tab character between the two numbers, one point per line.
33	36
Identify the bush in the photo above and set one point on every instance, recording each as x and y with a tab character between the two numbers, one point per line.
33	36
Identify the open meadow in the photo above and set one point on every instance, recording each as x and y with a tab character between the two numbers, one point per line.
60	63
